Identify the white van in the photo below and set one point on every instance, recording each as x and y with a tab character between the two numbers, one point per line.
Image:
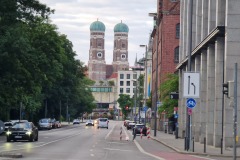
103	123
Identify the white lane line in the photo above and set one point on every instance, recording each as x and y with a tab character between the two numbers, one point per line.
110	132
92	155
111	149
142	150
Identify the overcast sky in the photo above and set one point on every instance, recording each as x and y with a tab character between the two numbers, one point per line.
74	17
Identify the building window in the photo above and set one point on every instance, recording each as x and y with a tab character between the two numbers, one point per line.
128	76
121	90
134	76
178	31
176	55
121	76
173	0
127	90
114	44
123	45
134	90
121	83
128	83
134	83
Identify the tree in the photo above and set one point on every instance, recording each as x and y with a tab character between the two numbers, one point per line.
169	85
125	102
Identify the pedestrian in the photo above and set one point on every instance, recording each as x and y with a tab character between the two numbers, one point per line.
134	133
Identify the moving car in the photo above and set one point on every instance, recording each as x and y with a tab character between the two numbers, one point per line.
22	131
103	123
45	123
137	128
89	123
7	125
76	121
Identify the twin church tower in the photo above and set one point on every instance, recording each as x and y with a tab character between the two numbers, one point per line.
97	67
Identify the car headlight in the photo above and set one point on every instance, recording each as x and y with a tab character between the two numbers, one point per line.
29	132
8	132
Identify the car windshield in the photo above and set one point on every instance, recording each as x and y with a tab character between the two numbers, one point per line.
21	125
44	120
103	120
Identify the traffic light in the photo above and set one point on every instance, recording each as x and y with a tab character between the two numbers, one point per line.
228	89
126	107
225	88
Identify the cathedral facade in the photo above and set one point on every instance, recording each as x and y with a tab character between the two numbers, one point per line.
98	70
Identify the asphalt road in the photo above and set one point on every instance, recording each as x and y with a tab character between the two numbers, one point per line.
76	142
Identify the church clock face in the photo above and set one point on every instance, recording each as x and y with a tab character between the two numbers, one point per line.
123	56
99	54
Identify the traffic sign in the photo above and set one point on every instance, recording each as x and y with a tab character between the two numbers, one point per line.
145	108
191	85
191	103
175	115
173	95
189	110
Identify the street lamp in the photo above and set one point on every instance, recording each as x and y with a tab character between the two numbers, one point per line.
145	87
155	16
135	99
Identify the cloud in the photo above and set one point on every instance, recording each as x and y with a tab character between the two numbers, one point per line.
74	17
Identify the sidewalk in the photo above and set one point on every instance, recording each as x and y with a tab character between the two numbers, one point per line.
170	141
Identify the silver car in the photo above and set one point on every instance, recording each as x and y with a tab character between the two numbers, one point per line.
45	123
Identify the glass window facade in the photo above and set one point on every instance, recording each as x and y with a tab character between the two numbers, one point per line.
121	76
102	89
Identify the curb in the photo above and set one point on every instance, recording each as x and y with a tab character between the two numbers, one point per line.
11	155
191	153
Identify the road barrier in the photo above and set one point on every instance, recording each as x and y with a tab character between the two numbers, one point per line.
120	133
141	132
148	132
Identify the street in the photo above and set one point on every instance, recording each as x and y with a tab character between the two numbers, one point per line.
74	142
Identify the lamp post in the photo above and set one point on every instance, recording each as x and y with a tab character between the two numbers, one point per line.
155	15
135	99
145	87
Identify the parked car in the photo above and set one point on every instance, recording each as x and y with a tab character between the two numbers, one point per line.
130	125
54	124
59	125
125	123
76	121
89	123
137	128
22	131
103	123
45	123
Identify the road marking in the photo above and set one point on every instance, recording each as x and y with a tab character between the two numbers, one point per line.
142	150
202	157
111	149
110	132
117	142
92	155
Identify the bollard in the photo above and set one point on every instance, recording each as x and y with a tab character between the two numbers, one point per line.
204	141
141	132
120	133
148	132
193	144
185	143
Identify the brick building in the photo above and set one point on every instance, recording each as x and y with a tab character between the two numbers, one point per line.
165	53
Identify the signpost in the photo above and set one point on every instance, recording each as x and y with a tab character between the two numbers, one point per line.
191	85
